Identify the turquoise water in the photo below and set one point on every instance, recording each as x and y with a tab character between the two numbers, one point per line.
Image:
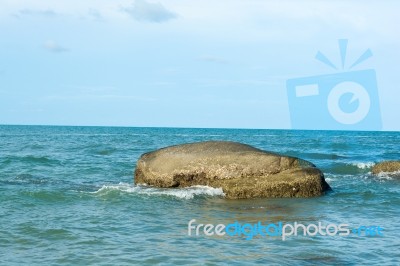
67	197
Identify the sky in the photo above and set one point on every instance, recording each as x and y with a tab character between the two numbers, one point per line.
174	63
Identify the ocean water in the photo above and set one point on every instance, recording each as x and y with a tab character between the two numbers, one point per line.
67	198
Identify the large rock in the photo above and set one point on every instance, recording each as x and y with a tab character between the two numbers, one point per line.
386	167
242	171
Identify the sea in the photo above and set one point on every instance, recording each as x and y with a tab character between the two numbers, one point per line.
67	197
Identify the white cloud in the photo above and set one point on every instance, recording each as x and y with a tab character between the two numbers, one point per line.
49	13
255	20
213	59
54	47
95	15
90	89
243	20
142	10
271	81
97	97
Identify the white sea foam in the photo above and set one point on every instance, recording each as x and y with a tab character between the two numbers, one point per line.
388	175
328	179
183	193
362	165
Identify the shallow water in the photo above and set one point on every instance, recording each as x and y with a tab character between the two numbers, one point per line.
67	197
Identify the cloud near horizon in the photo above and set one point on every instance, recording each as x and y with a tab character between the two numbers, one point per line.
49	13
95	15
142	10
213	59
54	47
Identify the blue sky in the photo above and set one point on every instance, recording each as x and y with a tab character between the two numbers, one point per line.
183	63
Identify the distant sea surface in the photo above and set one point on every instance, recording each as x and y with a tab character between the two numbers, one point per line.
67	198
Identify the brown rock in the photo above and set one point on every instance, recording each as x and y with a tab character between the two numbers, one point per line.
242	171
387	167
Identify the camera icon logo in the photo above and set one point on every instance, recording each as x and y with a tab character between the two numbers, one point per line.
341	101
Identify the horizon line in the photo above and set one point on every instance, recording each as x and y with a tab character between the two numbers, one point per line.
188	127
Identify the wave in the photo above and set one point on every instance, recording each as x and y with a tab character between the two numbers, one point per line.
314	155
349	168
105	151
38	159
367	165
198	135
31	159
29	179
182	193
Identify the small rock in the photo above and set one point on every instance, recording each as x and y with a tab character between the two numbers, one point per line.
386	167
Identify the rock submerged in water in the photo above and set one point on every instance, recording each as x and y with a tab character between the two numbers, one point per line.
386	167
242	171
